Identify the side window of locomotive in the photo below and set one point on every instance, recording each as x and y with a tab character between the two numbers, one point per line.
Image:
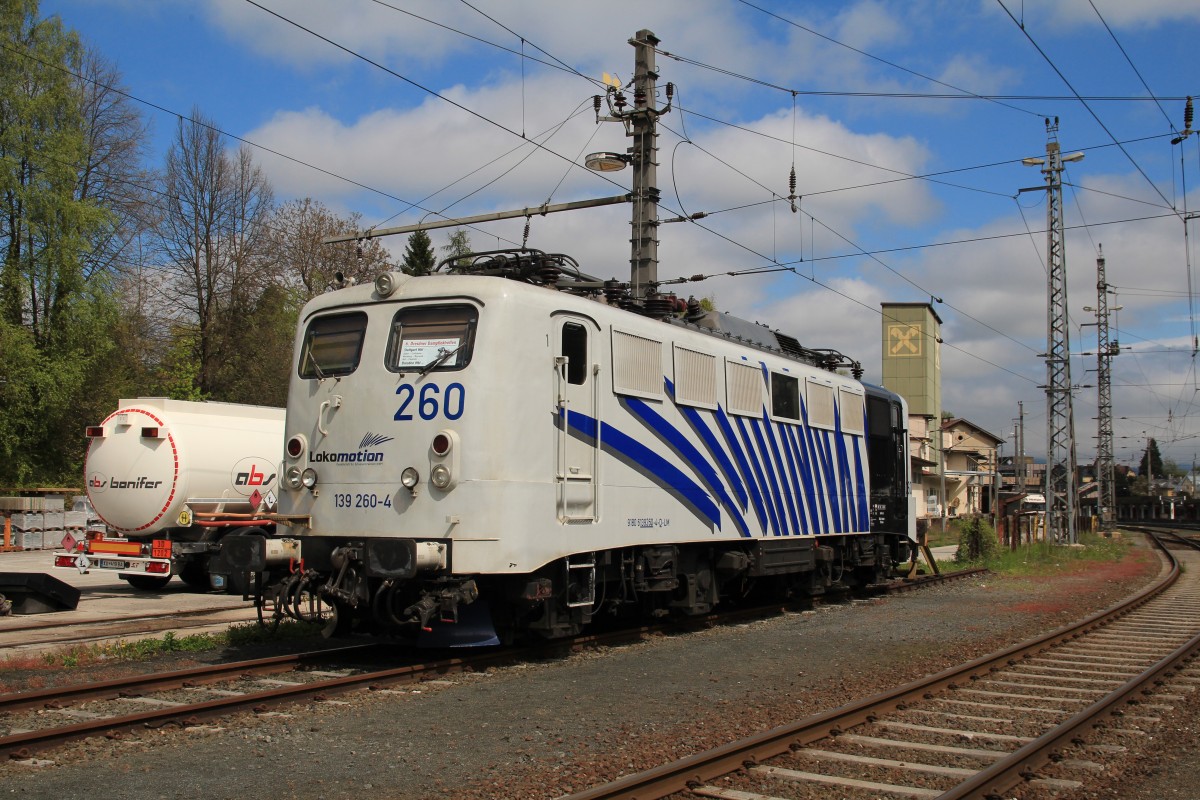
785	397
333	345
575	348
432	337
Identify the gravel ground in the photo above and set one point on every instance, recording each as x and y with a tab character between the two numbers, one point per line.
545	729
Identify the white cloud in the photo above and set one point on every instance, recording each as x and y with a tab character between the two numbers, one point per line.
1117	13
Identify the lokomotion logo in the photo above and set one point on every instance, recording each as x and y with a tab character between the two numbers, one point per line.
98	483
251	474
363	455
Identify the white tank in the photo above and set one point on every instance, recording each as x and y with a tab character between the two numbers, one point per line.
154	458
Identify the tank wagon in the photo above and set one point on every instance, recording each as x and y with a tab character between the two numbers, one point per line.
170	479
512	443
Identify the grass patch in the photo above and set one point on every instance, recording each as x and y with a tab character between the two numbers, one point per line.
240	635
1038	558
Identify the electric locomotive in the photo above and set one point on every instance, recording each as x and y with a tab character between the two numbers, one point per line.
510	444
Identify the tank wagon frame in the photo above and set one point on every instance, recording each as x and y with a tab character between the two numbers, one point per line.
513	442
170	479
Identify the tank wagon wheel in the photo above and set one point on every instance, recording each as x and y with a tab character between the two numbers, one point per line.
195	575
147	583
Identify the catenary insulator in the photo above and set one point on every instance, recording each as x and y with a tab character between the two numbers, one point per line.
660	305
1187	115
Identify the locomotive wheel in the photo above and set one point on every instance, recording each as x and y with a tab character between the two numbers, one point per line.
340	621
147	583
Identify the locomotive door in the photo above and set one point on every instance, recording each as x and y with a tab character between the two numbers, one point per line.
577	445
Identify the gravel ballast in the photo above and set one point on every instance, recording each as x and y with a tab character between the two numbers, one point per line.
541	730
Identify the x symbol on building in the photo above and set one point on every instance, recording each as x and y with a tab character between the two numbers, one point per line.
905	340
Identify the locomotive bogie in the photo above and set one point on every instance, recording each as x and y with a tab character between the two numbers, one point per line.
464	439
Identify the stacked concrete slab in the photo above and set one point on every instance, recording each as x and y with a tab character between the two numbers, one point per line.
39	523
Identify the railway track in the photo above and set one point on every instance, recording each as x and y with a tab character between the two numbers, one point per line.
34	721
1030	719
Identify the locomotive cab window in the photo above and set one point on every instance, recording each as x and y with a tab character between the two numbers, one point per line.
575	348
426	338
333	345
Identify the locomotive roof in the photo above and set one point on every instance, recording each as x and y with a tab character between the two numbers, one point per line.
560	272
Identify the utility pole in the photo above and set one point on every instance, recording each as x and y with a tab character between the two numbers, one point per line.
641	125
643	260
1021	472
1060	418
1105	350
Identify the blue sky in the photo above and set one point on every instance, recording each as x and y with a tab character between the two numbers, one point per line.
358	94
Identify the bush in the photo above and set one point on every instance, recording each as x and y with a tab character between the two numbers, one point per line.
977	541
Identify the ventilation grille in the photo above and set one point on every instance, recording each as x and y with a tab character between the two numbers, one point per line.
695	378
637	365
820	405
745	386
790	345
852	412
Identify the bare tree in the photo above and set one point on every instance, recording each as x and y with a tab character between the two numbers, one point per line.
307	266
211	236
112	174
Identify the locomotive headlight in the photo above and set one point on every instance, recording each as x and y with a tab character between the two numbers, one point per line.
409	477
440	476
308	478
385	284
291	478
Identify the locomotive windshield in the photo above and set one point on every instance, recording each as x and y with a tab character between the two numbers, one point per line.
425	338
333	345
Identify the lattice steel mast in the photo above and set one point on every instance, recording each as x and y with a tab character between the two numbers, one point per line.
1060	418
1105	350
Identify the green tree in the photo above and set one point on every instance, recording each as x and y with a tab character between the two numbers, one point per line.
45	226
258	373
1151	465
419	257
56	300
460	245
1171	469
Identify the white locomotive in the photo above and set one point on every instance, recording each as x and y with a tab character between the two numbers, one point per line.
511	441
169	479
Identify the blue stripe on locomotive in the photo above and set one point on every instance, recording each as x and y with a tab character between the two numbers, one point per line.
796	480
